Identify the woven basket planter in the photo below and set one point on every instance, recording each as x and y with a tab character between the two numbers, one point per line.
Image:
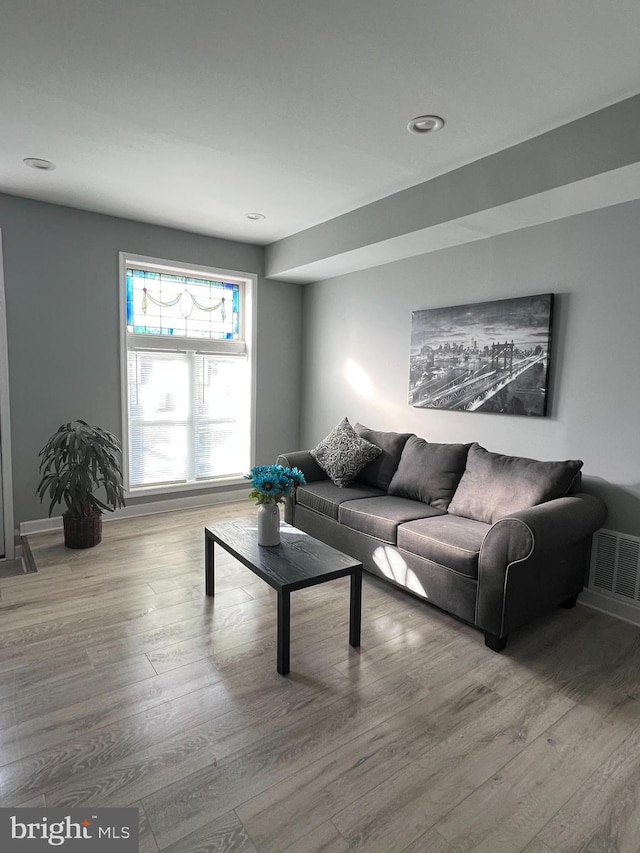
82	532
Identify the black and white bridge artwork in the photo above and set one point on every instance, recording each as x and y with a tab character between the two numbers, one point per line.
485	356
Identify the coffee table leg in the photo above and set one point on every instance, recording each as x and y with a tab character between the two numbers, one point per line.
355	607
208	565
284	625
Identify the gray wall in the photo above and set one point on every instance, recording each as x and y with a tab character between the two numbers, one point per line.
62	290
592	263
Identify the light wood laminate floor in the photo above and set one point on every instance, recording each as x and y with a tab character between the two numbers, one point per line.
122	684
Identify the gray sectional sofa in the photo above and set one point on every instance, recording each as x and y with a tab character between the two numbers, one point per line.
494	540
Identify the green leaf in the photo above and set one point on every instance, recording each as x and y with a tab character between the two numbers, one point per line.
77	460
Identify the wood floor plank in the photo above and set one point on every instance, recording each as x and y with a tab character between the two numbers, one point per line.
226	833
537	846
36	701
146	841
30	579
505	813
323	839
134	552
309	608
604	814
438	643
96	626
345	775
42	673
420	741
407	805
197	748
542	649
33	803
276	759
430	842
607	669
56	727
31	612
231	624
47	593
187	579
316	605
232	707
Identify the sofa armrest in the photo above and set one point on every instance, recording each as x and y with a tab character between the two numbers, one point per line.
303	460
535	559
549	525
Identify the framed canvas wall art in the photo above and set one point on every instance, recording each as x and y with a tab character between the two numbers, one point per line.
483	357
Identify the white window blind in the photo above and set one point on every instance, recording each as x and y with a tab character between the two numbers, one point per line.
188	412
188	417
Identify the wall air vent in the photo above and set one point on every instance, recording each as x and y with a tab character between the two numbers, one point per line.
615	565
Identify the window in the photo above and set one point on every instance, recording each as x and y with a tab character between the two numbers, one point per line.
187	377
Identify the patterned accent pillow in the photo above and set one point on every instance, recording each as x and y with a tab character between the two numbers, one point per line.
343	453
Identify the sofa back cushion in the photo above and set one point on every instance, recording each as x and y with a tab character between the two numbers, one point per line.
380	471
494	486
429	472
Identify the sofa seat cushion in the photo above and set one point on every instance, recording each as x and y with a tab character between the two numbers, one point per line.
429	472
494	486
447	540
325	497
380	517
380	471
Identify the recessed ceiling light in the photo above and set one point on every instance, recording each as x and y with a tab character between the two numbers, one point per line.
255	216
37	163
425	124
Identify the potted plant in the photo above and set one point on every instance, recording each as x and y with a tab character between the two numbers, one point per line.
76	461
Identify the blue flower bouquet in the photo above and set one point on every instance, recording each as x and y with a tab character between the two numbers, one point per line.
273	483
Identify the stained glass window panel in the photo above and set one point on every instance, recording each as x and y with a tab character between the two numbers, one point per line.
184	306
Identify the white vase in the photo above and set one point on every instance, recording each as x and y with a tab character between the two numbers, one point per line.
268	525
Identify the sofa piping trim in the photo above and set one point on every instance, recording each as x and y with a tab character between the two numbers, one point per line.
512	563
448	544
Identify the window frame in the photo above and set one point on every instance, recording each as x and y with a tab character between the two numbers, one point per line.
245	345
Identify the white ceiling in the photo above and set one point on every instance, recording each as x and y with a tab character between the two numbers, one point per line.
191	114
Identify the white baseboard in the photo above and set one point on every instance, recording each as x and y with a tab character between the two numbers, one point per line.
40	525
43	525
608	604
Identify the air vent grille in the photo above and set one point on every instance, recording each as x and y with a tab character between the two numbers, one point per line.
615	565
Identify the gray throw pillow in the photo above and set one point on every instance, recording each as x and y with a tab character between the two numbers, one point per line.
429	472
343	453
494	486
380	471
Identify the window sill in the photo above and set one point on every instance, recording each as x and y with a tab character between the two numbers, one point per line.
177	488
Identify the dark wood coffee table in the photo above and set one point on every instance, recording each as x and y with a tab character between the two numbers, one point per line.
298	562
